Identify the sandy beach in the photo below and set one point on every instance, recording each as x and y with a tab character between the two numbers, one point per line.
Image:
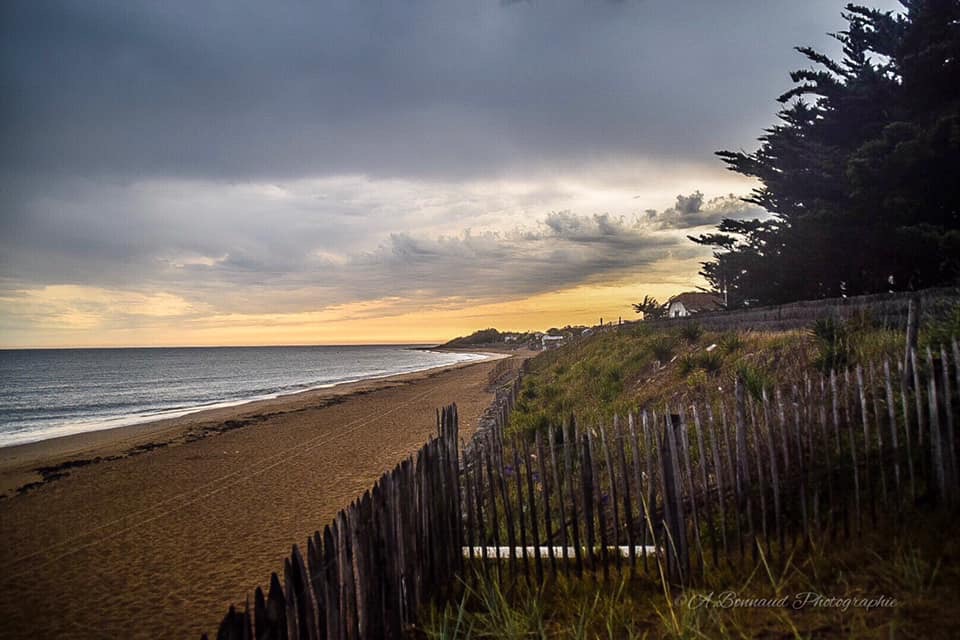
152	530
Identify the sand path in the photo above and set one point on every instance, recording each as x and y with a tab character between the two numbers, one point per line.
159	544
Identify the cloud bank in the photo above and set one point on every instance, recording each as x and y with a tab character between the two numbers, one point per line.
182	159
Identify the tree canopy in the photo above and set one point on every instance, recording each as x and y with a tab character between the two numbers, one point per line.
650	307
860	174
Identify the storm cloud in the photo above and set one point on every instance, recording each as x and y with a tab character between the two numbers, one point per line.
238	156
247	89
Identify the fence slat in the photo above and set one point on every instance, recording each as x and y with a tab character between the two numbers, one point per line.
761	478
674	534
586	473
547	483
648	501
569	446
494	521
702	462
276	611
936	440
949	441
684	445
613	495
521	506
306	608
865	421
892	424
561	499
534	524
769	434
622	445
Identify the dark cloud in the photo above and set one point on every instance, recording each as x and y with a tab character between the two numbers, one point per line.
561	251
282	270
423	87
270	157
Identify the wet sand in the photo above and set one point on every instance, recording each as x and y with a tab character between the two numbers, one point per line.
180	518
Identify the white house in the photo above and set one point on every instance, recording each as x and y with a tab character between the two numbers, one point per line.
692	302
551	342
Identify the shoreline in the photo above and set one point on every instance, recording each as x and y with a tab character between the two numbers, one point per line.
180	525
29	465
105	423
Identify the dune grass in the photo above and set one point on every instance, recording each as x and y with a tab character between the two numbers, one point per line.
897	581
620	371
906	559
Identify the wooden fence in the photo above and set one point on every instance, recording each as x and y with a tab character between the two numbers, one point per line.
761	470
503	371
887	309
375	565
389	553
679	487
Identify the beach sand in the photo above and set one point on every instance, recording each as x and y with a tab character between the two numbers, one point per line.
183	517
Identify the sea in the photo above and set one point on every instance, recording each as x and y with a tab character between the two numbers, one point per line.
47	393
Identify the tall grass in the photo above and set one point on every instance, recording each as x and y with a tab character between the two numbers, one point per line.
910	562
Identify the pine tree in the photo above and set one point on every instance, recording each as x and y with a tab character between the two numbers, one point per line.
859	175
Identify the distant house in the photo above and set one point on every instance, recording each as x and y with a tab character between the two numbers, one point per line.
551	342
692	302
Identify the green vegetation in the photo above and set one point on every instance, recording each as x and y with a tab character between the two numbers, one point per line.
943	332
617	372
651	308
691	331
911	563
730	342
833	341
486	337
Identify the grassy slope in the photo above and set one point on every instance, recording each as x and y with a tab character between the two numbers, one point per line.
912	561
623	371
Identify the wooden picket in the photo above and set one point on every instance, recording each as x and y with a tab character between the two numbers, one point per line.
686	486
822	456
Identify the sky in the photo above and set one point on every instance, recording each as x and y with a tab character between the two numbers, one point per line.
344	172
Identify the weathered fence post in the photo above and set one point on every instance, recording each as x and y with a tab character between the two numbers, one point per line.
676	551
913	329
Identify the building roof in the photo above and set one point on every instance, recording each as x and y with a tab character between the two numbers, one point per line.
696	301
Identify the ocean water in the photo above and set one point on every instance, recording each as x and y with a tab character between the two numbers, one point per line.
45	393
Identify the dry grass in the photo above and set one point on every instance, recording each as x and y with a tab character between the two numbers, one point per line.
910	563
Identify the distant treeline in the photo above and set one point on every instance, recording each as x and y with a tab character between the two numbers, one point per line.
860	174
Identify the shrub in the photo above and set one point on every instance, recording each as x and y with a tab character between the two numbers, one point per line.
833	343
610	384
942	332
754	380
691	332
663	348
697	381
688	364
730	342
710	361
528	423
529	391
